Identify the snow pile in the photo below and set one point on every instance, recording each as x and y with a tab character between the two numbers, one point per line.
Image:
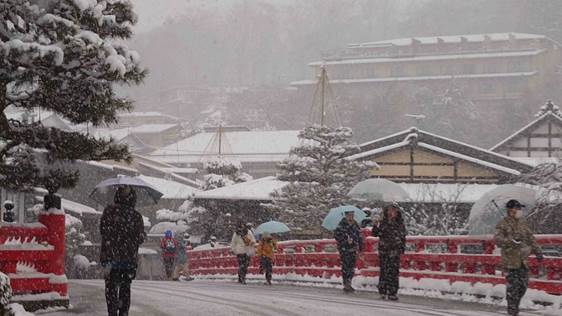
18	310
25	267
27	243
81	262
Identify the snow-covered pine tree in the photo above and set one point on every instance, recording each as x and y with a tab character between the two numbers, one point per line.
62	56
319	177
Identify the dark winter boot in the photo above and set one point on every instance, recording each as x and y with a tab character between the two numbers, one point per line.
393	298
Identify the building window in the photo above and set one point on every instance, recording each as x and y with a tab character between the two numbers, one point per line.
423	70
518	65
469	68
487	87
396	71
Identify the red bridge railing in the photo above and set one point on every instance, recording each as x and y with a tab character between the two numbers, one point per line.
471	259
32	255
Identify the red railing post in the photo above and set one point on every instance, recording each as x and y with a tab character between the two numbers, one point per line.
55	237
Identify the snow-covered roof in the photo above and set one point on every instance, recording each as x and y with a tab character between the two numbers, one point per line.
77	208
535	161
450	39
377	60
146	114
240	145
258	189
446	192
445	142
416	78
120	133
469	159
437	150
170	189
551	112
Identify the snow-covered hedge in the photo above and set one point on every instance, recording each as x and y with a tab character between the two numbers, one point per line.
5	291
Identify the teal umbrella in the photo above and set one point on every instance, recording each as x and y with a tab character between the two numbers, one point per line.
272	227
335	216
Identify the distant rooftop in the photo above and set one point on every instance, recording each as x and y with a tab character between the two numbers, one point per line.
449	39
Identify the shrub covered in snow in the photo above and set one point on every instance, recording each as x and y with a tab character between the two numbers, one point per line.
5	291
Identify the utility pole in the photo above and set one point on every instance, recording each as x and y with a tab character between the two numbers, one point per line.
323	77
220	139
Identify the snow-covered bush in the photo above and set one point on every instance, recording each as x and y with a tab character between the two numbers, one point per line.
546	218
73	239
5	291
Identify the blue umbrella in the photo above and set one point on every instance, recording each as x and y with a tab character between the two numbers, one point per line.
104	192
272	227
335	216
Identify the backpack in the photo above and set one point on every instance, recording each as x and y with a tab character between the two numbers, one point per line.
170	246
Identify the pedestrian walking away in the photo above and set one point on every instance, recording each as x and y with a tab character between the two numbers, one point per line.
181	266
122	232
517	242
350	245
392	243
169	247
243	245
265	252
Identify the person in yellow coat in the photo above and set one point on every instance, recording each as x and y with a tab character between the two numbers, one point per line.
265	251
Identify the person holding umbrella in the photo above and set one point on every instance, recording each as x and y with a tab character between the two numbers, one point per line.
169	247
392	242
122	232
517	242
350	244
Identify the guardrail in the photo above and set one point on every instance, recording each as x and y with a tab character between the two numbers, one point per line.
471	259
32	255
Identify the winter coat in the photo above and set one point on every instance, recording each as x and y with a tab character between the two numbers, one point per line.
181	256
169	247
122	232
240	247
392	235
346	232
514	255
266	248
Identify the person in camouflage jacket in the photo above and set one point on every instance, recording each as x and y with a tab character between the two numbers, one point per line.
517	242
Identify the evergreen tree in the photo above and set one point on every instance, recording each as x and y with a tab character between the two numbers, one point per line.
319	176
63	56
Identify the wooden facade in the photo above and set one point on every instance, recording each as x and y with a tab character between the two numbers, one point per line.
542	138
415	156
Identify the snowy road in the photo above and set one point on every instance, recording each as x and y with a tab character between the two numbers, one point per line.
224	298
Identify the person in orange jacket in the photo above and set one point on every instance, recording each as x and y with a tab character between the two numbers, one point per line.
265	251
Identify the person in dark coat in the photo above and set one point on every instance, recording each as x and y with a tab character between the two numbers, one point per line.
517	242
392	242
122	232
350	244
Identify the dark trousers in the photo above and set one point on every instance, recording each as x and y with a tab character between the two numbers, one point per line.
118	291
348	259
243	261
169	266
266	265
389	274
517	280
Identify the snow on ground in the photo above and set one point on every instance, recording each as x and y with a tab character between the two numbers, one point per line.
229	298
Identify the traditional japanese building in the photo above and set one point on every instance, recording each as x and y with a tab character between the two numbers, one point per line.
491	68
416	156
539	141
